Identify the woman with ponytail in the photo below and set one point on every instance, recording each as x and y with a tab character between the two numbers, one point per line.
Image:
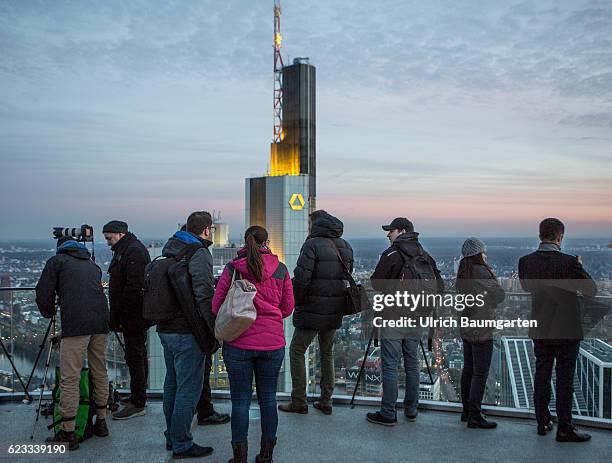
260	350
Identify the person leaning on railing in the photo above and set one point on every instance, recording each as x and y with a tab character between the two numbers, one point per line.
475	276
75	279
554	280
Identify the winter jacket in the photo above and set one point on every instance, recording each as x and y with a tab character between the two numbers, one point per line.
319	281
76	280
391	261
554	280
482	282
202	279
126	272
273	301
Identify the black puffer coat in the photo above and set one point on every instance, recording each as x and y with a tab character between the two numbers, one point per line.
76	280
126	271
319	282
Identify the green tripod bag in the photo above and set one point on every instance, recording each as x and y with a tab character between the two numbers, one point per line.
83	428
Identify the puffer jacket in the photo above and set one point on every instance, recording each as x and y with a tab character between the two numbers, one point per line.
482	282
319	281
274	301
76	280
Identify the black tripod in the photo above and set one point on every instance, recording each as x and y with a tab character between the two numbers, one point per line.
54	343
365	356
10	359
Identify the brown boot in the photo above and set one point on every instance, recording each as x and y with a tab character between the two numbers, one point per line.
265	454
326	409
240	452
290	408
64	437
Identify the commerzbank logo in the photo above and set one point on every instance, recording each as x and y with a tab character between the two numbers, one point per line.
296	202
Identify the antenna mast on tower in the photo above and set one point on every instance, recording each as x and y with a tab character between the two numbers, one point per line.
278	76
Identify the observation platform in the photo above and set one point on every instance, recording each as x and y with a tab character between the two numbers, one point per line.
345	436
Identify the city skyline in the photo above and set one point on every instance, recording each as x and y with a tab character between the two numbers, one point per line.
469	119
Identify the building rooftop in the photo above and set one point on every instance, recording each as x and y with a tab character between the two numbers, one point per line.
344	436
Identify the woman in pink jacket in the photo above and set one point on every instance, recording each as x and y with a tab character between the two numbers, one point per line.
261	348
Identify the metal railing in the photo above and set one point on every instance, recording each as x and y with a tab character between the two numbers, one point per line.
22	330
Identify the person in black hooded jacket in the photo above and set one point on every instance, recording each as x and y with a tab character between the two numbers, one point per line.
76	281
320	289
126	272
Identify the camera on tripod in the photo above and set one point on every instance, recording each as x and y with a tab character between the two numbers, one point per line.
83	234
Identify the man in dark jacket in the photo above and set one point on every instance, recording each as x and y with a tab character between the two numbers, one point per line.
126	272
75	280
183	355
320	289
404	245
554	280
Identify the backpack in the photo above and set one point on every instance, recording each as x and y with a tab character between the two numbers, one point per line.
417	274
159	302
84	420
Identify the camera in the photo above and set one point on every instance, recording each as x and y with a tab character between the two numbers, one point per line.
83	234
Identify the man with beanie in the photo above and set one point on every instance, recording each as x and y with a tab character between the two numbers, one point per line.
75	280
126	272
319	286
554	280
404	247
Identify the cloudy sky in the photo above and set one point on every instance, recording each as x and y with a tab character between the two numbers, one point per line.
470	118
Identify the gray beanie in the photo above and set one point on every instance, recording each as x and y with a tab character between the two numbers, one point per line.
472	247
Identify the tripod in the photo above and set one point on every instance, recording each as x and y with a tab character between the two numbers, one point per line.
54	342
10	359
365	356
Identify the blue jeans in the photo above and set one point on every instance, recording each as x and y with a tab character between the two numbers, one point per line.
390	350
241	364
182	387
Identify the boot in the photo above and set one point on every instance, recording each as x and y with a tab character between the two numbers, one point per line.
476	420
64	437
265	454
240	452
100	429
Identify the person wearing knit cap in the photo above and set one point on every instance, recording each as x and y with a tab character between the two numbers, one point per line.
476	277
126	279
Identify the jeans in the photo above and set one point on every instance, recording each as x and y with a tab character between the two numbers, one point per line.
302	339
565	356
390	350
138	364
205	406
182	386
241	364
476	363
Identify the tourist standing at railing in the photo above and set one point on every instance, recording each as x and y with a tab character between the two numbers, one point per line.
184	342
126	276
554	280
76	280
320	287
260	349
395	266
475	276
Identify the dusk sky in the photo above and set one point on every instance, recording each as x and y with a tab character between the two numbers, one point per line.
470	118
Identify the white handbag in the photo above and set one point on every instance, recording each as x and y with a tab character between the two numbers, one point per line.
237	312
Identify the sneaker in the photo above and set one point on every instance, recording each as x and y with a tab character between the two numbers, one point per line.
129	411
326	409
64	437
412	417
196	451
100	429
215	418
544	429
572	436
377	418
290	408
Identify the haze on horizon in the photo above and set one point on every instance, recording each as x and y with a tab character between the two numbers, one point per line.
468	118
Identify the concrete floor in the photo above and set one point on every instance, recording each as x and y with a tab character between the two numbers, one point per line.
344	436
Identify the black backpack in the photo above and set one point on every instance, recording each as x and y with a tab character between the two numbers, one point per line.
159	302
417	274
